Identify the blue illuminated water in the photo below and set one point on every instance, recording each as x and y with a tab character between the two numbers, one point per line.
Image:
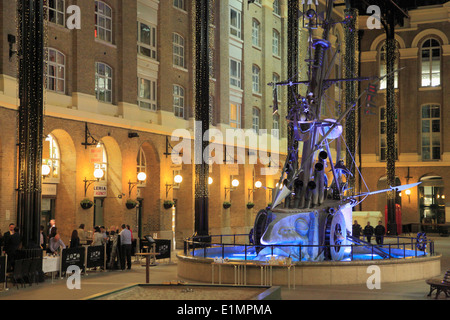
241	253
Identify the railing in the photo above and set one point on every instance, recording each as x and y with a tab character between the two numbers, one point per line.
404	246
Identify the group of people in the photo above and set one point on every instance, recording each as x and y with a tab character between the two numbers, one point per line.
101	236
379	231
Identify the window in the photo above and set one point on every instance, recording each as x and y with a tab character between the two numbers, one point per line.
55	65
256	33
235	115
102	165
276	126
255	121
235	73
147	94
179	4
178	101
146	40
431	63
141	165
51	157
276	7
103	21
235	23
256	79
431	132
276	43
178	50
382	63
103	82
383	132
54	11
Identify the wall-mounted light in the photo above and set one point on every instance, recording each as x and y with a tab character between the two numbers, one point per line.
258	185
142	176
177	179
234	185
98	174
210	180
408	193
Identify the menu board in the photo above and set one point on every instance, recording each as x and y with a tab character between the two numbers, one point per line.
95	256
163	248
73	257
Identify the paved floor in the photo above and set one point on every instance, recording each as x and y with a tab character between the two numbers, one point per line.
99	282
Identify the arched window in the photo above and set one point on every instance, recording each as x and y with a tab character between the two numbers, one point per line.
276	40
103	164
431	132
103	21
141	165
56	70
178	101
51	158
256	119
178	50
256	33
256	82
431	63
103	82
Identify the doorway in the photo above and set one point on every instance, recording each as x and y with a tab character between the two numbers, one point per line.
98	212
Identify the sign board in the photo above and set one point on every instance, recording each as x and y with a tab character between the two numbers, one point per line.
95	256
100	191
96	155
163	248
73	257
48	189
2	269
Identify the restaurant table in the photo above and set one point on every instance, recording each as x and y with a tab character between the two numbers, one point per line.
147	256
51	265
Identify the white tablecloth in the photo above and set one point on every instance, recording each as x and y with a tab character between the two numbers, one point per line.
50	264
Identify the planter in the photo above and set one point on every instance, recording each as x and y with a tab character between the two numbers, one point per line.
250	205
226	205
130	205
86	205
167	205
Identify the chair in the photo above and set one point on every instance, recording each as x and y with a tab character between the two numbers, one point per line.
26	271
17	275
36	266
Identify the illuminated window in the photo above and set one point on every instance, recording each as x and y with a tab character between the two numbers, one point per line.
141	165
103	164
256	119
235	73
51	158
256	82
147	94
235	115
235	23
276	43
431	63
256	33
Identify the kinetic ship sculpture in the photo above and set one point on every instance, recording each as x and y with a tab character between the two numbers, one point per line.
307	212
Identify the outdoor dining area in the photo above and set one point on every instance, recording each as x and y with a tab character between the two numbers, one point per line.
34	266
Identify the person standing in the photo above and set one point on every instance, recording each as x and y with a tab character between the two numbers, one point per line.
125	247
52	225
356	230
368	232
380	231
82	234
12	244
43	238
